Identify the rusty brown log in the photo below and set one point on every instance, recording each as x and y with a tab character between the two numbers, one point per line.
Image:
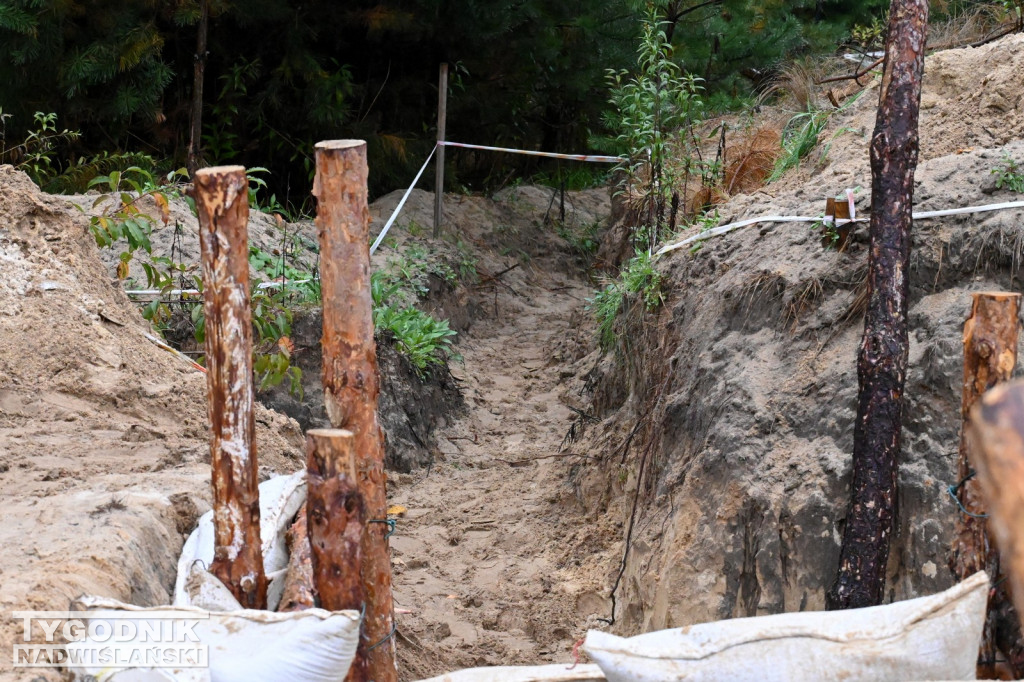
882	360
350	378
223	209
336	518
990	354
298	593
996	435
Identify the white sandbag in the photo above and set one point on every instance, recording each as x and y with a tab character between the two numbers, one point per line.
280	499
929	638
559	672
158	675
243	646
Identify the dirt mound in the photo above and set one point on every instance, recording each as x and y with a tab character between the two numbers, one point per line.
103	436
729	417
103	440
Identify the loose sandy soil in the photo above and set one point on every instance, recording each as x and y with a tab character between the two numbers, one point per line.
104	460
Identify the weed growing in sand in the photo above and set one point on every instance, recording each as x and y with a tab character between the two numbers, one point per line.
639	278
707	221
582	239
421	338
1010	175
801	136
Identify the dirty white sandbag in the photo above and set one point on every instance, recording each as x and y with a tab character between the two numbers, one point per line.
280	499
933	637
243	646
158	675
560	672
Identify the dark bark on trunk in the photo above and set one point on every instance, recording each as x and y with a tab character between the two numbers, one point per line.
223	210
350	378
199	71
882	361
990	354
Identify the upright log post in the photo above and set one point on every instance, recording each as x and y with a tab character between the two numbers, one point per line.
990	354
996	435
335	517
351	382
298	593
199	69
882	361
223	207
442	119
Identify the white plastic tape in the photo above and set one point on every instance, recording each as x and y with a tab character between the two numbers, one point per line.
398	209
723	229
550	155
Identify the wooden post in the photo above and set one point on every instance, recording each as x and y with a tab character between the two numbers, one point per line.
199	68
882	360
996	435
351	382
223	207
990	354
298	593
442	118
335	518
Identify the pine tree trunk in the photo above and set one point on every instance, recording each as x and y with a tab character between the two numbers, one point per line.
882	361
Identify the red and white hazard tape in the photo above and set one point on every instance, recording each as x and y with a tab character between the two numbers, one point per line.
594	158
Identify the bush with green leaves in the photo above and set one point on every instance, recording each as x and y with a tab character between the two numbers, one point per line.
1010	175
653	117
421	338
640	278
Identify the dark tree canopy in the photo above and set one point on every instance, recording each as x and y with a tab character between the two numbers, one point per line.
281	75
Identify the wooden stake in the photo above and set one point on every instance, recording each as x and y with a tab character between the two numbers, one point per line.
223	208
442	119
996	433
335	518
990	354
351	382
298	593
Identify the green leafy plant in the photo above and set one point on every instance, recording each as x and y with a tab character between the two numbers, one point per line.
653	117
707	221
1010	175
582	239
421	338
640	278
36	153
124	219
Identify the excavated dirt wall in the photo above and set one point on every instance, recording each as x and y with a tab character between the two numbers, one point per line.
741	393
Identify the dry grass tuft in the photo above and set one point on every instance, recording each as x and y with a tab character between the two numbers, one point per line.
750	162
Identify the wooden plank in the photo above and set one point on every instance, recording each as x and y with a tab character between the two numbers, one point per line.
996	433
223	209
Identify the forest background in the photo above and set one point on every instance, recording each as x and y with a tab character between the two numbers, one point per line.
118	75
